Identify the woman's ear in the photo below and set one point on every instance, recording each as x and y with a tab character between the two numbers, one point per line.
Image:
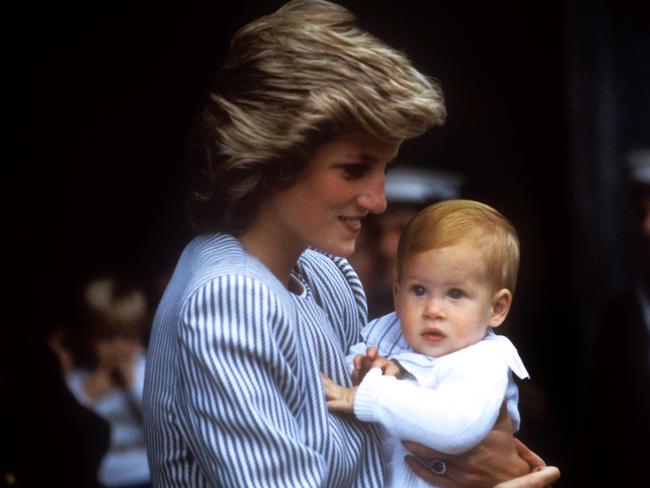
500	307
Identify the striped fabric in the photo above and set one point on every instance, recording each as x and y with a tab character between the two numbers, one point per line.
232	389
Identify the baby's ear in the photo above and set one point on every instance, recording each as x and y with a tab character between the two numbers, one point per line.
501	301
396	294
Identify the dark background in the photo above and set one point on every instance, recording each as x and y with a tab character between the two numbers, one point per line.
544	100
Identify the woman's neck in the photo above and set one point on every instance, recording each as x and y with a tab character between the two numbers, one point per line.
272	249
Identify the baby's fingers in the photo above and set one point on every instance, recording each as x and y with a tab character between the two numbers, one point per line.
388	368
337	405
372	353
331	388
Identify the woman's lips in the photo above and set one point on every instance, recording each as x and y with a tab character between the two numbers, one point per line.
351	223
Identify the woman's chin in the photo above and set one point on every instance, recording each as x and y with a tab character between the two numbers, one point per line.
342	249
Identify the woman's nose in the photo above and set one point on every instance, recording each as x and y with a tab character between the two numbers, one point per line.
373	197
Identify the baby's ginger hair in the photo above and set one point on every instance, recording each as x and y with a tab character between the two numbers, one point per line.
465	221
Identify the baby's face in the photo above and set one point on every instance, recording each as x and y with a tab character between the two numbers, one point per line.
443	299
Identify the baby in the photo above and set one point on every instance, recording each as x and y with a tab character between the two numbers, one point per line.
456	274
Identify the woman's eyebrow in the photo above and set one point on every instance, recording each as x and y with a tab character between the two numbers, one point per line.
370	158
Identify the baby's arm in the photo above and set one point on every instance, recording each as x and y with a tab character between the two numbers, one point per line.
452	418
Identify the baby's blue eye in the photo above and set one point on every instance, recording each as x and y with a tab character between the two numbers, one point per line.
418	290
455	293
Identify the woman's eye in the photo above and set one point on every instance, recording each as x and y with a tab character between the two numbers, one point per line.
455	293
355	171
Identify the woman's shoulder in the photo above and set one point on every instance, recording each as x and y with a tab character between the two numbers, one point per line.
207	250
209	256
318	265
219	262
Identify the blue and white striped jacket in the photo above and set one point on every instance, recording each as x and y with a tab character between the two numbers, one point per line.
233	395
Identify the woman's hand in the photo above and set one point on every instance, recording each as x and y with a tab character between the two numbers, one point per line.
542	475
499	461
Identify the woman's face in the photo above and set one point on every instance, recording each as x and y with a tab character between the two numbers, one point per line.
343	182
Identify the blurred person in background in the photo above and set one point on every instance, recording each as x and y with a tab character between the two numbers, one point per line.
621	379
107	372
48	437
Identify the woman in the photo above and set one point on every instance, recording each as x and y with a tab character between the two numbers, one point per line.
290	153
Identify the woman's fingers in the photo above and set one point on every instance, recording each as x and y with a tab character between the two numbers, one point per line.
543	478
418	465
418	461
423	452
529	456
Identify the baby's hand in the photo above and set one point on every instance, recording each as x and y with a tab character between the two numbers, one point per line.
339	398
372	359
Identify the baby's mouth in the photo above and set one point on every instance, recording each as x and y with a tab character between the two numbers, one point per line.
433	335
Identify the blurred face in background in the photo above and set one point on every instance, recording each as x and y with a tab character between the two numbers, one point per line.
391	224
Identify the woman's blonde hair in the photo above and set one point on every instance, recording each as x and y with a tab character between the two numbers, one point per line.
454	221
291	81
